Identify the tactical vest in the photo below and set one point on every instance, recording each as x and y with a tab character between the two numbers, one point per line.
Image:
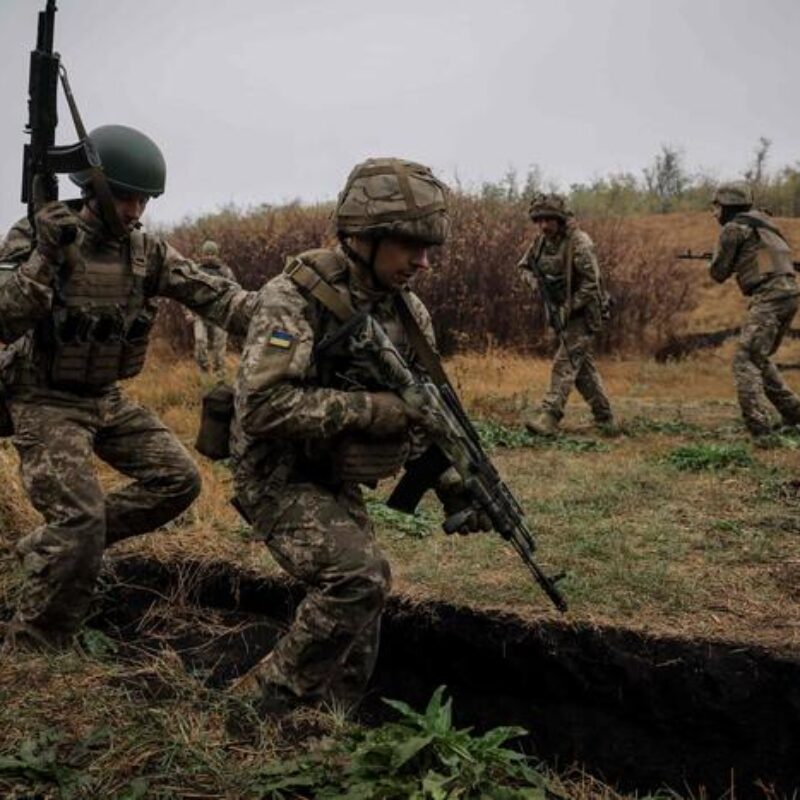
335	366
556	266
100	324
772	255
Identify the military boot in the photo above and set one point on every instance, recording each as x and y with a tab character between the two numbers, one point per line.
269	699
543	424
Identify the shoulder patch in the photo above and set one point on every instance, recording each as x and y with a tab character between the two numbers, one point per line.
281	339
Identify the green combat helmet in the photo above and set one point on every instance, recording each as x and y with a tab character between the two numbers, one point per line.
210	248
393	197
549	206
733	194
132	162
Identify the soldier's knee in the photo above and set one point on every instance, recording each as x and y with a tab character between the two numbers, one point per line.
372	583
187	484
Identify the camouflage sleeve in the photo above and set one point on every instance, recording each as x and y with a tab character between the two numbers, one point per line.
423	318
525	271
586	273
227	273
220	301
275	394
723	262
25	284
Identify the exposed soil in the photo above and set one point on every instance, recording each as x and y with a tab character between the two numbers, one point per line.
638	711
679	347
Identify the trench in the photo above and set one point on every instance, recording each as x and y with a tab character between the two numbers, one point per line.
637	711
678	348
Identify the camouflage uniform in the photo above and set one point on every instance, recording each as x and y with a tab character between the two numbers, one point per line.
60	374
293	412
753	249
210	341
572	281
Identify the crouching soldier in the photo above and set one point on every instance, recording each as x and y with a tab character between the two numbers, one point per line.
77	319
311	426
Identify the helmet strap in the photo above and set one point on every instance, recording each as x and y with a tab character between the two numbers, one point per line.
353	255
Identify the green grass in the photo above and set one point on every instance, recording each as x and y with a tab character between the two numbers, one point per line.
713	457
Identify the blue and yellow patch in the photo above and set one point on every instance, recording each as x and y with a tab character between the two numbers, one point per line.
280	339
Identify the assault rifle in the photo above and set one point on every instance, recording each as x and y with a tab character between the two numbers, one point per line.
42	159
551	311
688	255
455	443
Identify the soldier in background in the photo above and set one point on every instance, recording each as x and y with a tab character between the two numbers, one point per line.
76	326
751	247
561	264
210	341
311	426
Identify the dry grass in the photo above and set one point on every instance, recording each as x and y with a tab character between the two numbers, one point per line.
706	553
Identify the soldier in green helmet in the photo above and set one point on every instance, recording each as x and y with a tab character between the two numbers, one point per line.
210	341
752	248
562	266
309	429
76	319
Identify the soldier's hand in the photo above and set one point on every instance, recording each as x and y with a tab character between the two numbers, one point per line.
56	226
390	415
461	516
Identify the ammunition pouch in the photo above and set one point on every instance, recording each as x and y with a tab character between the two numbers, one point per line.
214	436
93	350
361	459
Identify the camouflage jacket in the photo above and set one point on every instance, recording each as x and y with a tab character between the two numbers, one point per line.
212	265
28	295
574	287
759	257
290	405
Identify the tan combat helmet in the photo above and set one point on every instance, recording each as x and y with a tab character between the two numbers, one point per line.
393	197
210	248
549	205
733	194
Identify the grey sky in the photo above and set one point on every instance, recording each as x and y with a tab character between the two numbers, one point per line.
262	101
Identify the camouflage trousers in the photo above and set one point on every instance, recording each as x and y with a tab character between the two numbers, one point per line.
758	382
210	343
56	443
575	366
324	539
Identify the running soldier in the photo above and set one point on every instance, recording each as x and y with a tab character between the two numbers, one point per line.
751	247
561	265
309	428
76	325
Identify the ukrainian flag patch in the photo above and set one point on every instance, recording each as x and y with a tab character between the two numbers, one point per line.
280	339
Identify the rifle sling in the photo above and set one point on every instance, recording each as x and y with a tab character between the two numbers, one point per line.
309	279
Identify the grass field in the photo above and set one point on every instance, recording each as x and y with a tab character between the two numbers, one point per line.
678	525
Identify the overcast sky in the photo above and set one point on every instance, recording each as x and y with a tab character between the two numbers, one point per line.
257	101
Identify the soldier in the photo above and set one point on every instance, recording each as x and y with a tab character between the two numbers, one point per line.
210	341
751	247
76	327
310	428
561	264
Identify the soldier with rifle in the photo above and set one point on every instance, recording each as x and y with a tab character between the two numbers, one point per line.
77	304
752	248
340	386
561	265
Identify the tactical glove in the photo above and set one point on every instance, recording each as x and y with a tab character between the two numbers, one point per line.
460	514
390	415
56	226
